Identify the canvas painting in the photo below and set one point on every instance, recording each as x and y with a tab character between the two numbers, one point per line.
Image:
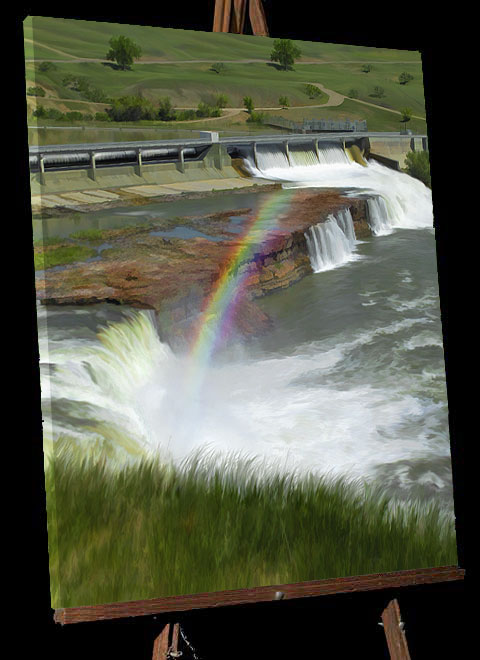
241	359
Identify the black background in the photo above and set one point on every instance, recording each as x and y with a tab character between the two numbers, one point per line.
339	626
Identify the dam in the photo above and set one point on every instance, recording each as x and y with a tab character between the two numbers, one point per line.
179	165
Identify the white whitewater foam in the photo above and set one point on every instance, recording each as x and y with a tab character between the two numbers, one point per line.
331	243
406	201
132	381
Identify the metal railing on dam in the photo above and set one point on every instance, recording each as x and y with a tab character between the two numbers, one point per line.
99	155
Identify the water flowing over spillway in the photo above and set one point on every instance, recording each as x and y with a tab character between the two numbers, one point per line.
331	243
400	202
349	382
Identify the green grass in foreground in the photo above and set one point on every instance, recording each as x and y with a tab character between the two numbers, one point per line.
61	255
149	531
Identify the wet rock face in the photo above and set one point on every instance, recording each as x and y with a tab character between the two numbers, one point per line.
175	276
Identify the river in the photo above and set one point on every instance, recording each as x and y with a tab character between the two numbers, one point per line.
349	382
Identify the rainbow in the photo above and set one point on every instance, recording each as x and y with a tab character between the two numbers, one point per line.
219	308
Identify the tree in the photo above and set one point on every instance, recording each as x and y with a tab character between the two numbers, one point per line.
36	91
46	66
417	164
257	117
366	68
406	114
218	67
404	78
221	101
166	111
312	91
284	102
378	91
285	52
248	103
353	94
131	108
206	110
123	51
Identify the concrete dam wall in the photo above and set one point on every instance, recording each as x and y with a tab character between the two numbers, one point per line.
216	167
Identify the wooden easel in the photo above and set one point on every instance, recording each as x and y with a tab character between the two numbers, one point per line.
230	16
168	646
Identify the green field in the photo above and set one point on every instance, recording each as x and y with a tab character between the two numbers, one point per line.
149	530
337	67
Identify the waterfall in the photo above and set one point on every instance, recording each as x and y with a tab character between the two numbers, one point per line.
378	219
300	156
274	157
398	200
331	154
331	243
271	157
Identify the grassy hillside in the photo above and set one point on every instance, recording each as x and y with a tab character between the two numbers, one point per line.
148	531
161	72
188	84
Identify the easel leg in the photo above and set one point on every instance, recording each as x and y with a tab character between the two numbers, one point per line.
393	627
163	647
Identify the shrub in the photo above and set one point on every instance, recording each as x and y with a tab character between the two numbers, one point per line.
218	67
378	92
74	115
417	164
186	115
312	91
36	91
51	113
206	110
131	108
353	94
102	116
221	101
166	111
69	80
257	117
88	117
95	95
46	66
284	102
406	114
404	78
82	85
248	103
366	68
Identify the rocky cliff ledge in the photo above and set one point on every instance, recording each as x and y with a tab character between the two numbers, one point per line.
140	267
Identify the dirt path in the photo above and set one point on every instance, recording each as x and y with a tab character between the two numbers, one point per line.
337	99
55	50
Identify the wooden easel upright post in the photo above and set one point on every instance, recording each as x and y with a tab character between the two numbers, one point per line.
394	632
230	16
166	644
